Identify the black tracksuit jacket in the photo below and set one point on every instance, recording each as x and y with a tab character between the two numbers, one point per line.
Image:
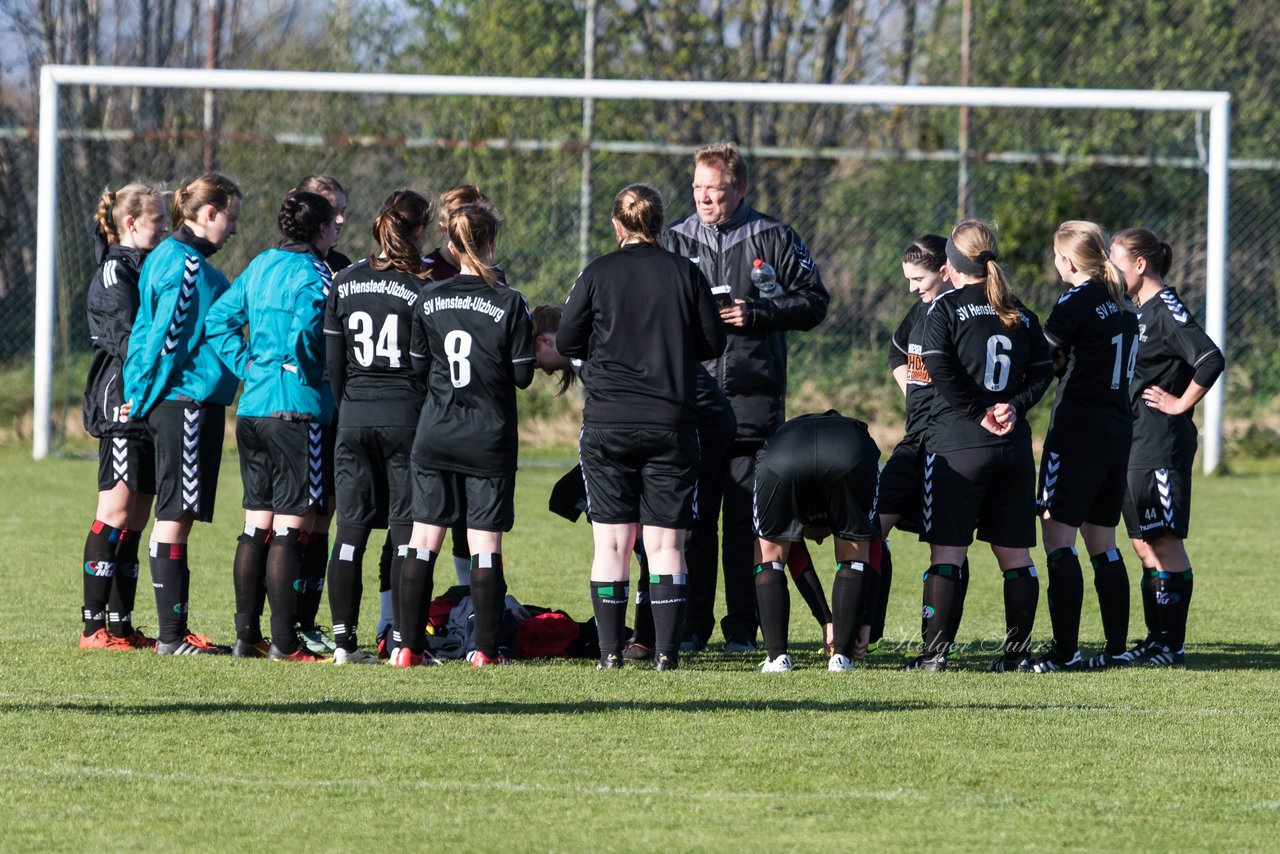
752	370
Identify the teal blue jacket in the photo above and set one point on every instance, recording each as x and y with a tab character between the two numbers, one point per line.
168	356
281	296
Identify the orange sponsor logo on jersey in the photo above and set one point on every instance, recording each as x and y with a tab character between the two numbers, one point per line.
917	373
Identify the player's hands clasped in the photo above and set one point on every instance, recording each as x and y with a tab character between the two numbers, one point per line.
999	419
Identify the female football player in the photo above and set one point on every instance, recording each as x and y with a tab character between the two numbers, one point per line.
715	430
924	267
281	296
989	363
336	195
130	222
368	327
1094	337
472	341
815	477
175	382
640	318
315	556
443	264
1177	365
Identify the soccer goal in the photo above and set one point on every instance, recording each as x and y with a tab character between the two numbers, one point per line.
552	152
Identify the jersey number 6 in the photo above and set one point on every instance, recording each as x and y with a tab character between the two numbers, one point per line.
996	375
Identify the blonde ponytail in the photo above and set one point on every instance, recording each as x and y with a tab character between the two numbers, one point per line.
114	206
975	243
1085	243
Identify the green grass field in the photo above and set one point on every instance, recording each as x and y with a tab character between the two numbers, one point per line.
117	751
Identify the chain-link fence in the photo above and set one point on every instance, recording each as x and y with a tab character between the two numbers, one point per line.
895	176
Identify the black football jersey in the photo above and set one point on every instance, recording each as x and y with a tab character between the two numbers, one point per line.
370	315
975	362
1092	418
473	336
907	348
1172	349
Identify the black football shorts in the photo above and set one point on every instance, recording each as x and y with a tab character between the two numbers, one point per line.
988	489
1077	491
282	465
645	476
188	441
128	461
1158	504
371	474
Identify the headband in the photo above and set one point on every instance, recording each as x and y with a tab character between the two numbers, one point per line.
962	263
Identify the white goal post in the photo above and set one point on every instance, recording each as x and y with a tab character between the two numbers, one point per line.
1217	104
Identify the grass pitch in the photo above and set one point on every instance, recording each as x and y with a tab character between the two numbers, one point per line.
131	751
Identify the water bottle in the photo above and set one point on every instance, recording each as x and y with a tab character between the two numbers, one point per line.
765	279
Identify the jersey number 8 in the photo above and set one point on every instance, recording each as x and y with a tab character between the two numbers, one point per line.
457	347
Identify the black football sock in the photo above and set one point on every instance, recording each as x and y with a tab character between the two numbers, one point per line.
315	556
668	595
461	553
394	571
284	557
846	594
388	585
170	577
388	554
941	586
488	595
1148	588
609	602
1021	595
249	576
773	606
870	595
957	605
346	584
1066	597
99	570
1112	585
800	564
417	569
1173	599
124	586
878	607
644	631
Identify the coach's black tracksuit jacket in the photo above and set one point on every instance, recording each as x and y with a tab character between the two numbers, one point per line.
752	371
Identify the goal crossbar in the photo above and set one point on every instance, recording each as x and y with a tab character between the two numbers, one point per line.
52	77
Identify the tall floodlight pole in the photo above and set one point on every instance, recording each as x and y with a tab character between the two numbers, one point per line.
962	175
588	119
212	32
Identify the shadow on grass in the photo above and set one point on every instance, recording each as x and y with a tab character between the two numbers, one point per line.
1233	656
1200	656
507	707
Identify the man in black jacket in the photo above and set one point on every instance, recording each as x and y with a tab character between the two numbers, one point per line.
724	237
